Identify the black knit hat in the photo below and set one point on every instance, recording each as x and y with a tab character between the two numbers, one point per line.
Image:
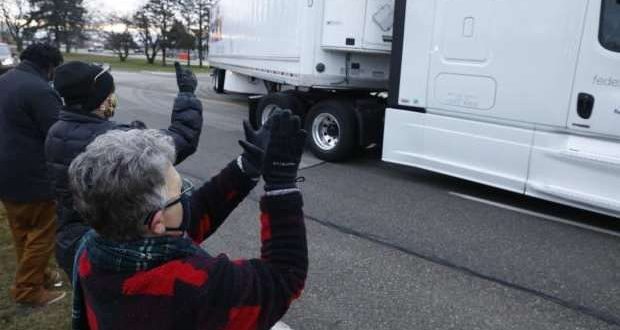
75	81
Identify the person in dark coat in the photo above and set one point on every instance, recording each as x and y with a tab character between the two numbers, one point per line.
142	266
89	103
29	106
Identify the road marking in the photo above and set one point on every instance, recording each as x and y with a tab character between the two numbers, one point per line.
308	160
171	74
156	73
536	214
281	326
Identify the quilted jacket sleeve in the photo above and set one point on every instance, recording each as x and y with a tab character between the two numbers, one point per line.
186	125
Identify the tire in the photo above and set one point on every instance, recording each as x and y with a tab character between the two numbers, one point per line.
332	130
281	100
219	79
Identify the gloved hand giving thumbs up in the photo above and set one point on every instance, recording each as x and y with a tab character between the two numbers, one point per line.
186	80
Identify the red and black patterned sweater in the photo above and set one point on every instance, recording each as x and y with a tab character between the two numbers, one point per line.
209	293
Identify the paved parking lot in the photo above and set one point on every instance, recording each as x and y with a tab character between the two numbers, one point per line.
393	247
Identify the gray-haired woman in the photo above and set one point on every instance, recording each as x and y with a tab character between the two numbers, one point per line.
139	269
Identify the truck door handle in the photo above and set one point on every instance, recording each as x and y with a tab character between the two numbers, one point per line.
585	105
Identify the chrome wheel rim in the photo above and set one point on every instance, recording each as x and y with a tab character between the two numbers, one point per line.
326	131
267	112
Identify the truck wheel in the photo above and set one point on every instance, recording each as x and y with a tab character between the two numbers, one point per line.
219	79
269	103
332	130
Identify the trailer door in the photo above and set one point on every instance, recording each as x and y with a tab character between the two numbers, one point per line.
595	106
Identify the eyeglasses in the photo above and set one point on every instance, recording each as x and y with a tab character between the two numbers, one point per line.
187	187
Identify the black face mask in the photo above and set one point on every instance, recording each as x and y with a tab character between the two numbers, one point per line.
185	200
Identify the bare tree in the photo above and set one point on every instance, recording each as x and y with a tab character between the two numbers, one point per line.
120	44
161	13
196	14
187	10
65	19
17	18
180	38
149	39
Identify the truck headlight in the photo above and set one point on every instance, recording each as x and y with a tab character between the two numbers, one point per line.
8	61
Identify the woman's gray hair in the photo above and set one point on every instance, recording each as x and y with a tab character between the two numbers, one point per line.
120	179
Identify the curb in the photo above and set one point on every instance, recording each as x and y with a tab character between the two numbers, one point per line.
171	74
281	326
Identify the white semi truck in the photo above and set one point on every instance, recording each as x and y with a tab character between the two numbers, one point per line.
521	95
320	58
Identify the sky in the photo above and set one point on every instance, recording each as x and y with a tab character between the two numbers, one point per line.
114	6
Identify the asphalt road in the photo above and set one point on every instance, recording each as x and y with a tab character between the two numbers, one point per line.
393	247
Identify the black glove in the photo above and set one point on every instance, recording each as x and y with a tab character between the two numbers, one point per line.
137	124
284	151
254	148
186	80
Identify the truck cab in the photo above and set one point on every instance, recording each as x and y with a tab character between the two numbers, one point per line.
523	96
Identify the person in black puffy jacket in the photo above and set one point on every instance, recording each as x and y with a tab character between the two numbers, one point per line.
87	91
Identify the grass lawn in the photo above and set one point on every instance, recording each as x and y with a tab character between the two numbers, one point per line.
57	316
131	64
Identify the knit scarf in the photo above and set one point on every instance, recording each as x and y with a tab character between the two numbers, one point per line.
129	257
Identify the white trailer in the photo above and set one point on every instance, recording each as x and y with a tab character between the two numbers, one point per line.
309	56
521	95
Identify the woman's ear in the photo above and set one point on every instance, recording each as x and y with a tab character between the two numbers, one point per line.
158	227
